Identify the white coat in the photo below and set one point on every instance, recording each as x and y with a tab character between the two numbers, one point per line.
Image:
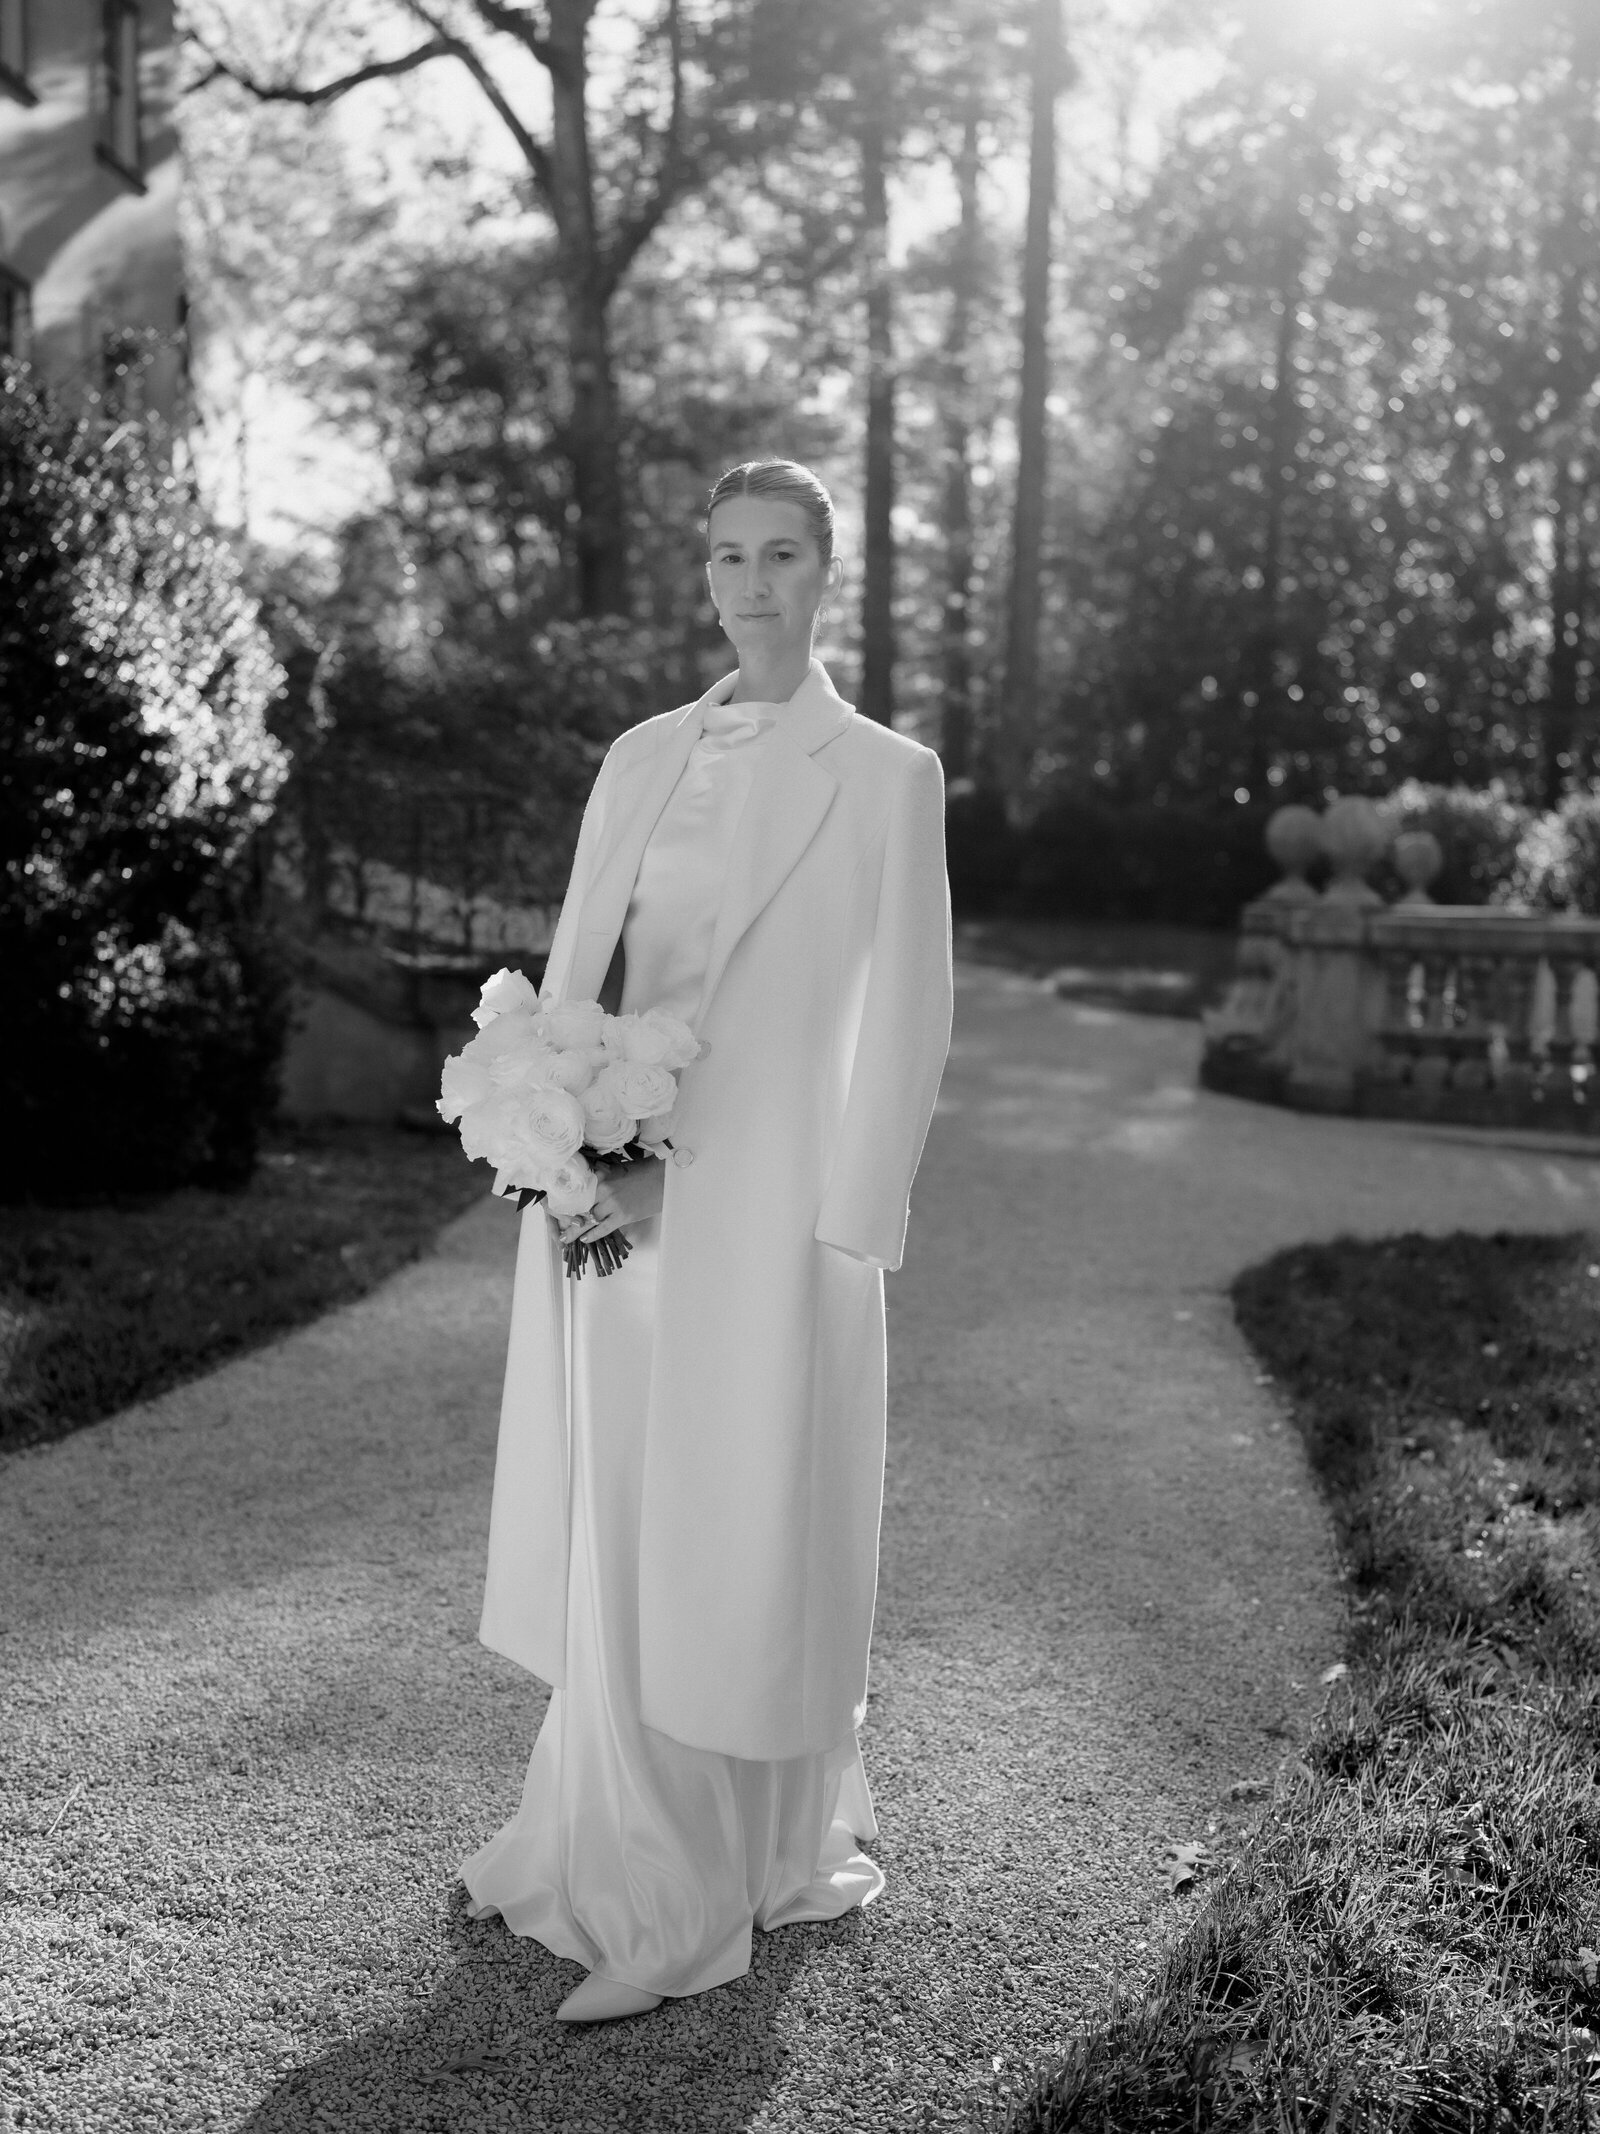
826	1005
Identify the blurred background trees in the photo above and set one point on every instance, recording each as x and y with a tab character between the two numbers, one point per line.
1245	454
1209	388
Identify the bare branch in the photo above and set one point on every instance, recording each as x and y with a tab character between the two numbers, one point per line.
674	172
518	22
534	152
327	92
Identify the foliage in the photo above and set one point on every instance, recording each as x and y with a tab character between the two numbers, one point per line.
1481	833
1325	506
147	1009
107	1305
1558	863
1351	335
1084	856
459	759
1408	1938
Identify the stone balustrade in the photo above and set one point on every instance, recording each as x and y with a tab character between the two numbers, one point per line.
1484	1015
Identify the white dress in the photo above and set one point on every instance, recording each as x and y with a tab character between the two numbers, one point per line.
639	1857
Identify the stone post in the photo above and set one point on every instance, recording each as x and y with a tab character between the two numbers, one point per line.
1418	859
1338	987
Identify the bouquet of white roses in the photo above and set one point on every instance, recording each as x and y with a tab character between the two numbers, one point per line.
553	1095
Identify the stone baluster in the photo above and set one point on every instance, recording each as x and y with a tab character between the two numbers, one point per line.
1432	1068
1510	1033
1562	974
1584	1014
1402	1011
1474	981
1541	1026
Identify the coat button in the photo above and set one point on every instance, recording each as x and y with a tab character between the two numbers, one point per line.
683	1157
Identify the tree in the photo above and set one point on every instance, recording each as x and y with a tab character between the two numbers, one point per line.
956	390
1347	380
1021	684
874	130
702	92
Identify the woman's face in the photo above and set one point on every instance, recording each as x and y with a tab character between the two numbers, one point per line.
766	574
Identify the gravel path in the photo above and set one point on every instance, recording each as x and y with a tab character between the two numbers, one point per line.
248	1731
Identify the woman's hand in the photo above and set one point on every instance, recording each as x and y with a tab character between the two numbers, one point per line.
628	1195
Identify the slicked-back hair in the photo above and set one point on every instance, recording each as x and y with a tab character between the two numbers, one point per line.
783	481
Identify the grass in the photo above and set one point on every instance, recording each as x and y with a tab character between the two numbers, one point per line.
104	1305
1410	1938
1155	970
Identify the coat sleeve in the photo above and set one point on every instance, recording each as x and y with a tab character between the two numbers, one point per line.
558	957
904	1032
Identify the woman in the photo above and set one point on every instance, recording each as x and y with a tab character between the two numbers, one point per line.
683	1538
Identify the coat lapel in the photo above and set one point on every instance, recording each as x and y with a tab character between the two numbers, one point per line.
789	795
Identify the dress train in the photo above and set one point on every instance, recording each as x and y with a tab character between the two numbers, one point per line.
632	1853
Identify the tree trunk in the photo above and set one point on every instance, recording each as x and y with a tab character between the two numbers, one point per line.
593	439
1261	716
1562	710
876	696
955	651
1020	697
1566	748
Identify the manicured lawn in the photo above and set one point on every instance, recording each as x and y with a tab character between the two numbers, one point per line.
103	1305
1411	1936
1156	970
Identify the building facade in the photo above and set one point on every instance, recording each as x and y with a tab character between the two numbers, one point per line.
91	281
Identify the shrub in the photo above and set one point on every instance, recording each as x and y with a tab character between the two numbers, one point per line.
1088	857
1558	863
980	852
462	760
146	1005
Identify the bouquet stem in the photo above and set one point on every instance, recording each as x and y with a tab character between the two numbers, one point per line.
607	1253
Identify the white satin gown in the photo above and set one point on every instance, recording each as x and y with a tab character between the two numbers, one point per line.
637	1856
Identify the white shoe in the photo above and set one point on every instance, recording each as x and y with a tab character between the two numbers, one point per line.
602	2000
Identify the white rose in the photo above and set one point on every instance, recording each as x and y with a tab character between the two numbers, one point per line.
510	1050
630	1037
515	1175
506	993
652	1132
641	1089
552	1121
464	1081
608	1123
489	1129
678	1043
572	1070
529	1161
529	1071
573	1025
573	1188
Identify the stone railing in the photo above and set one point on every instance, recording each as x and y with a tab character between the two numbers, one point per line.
1480	1014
